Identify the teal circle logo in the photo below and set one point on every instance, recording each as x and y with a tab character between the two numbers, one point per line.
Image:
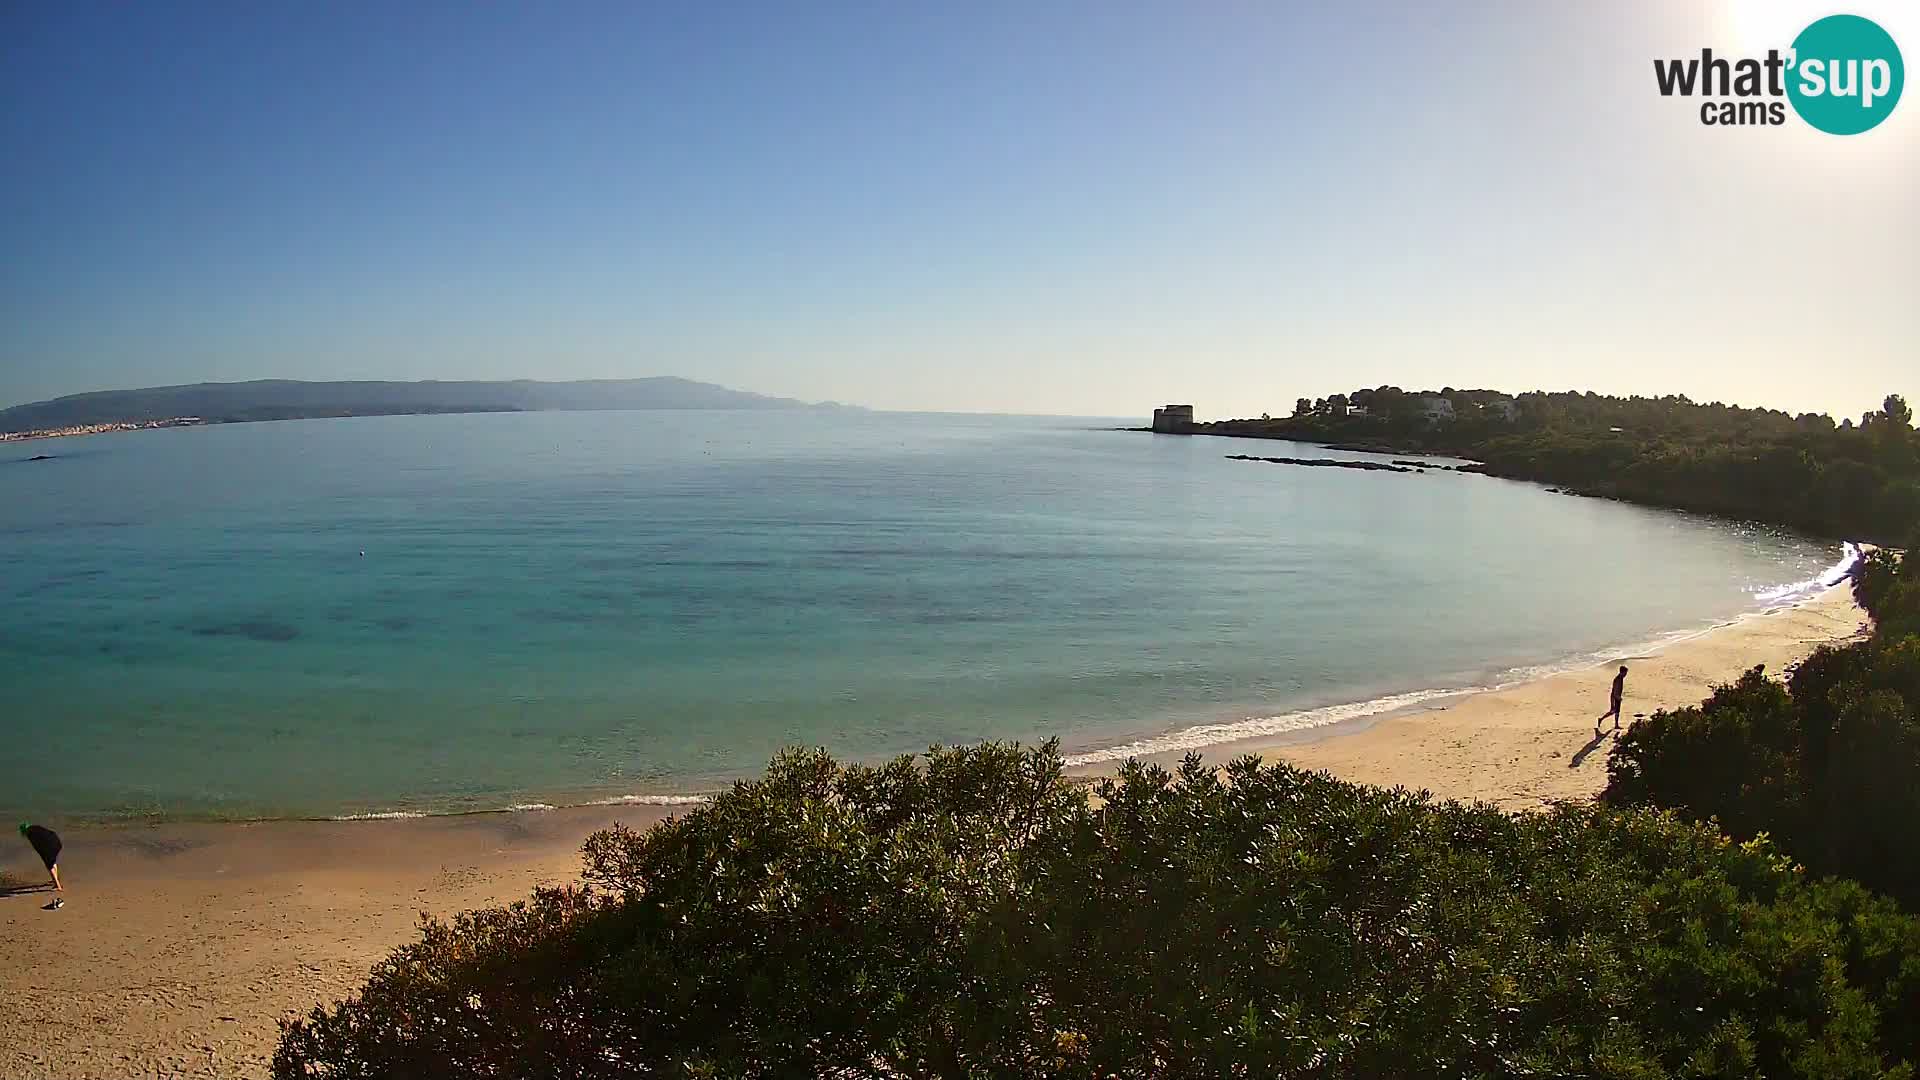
1846	75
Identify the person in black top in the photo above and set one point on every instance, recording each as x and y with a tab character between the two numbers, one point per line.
46	843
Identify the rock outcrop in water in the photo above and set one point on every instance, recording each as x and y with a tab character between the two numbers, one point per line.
1326	463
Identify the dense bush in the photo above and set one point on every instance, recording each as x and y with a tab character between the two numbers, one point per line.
973	914
1887	584
1846	480
1827	764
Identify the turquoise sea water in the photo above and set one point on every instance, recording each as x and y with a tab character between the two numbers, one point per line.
562	607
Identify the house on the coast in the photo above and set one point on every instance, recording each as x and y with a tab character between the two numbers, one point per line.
1434	407
1173	419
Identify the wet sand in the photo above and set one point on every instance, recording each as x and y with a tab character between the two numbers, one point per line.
181	946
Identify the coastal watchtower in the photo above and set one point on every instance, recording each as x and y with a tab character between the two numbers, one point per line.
1173	419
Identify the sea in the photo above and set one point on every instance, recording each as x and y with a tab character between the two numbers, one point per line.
389	616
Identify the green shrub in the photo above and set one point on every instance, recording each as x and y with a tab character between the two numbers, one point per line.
1827	764
973	914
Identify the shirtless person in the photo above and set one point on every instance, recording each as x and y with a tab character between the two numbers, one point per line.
1619	691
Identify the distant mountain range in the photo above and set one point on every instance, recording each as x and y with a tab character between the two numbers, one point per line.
280	399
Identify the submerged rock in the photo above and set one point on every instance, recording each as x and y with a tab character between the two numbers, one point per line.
1325	463
251	629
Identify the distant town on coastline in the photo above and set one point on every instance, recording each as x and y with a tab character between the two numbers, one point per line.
98	429
1856	481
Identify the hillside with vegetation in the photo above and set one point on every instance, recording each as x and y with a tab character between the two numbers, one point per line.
1856	481
286	399
1826	763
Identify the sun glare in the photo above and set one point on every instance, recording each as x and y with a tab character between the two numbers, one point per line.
1754	26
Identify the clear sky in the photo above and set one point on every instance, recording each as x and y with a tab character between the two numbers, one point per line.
1086	208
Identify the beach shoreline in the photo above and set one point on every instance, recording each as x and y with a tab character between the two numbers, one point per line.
1527	744
184	943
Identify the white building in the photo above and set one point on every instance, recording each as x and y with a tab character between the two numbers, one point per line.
1434	406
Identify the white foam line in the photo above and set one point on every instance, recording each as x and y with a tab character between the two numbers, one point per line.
650	800
1201	735
1832	575
527	808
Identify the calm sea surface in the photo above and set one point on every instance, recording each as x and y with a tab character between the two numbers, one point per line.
561	607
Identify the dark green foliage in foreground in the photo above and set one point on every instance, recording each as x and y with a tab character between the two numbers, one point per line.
1854	481
1888	586
1828	765
973	915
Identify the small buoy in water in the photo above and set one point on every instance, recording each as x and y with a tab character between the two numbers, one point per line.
363	554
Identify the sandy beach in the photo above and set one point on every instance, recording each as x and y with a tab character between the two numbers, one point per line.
1529	745
182	945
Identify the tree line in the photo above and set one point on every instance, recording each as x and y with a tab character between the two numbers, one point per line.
1857	481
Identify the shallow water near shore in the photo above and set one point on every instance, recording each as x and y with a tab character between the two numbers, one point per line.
568	607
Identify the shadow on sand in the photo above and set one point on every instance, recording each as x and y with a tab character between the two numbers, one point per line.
1594	744
10	885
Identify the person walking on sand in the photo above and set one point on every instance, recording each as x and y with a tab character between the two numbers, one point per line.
1619	691
46	844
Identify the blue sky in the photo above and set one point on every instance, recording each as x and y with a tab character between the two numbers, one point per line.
1074	208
